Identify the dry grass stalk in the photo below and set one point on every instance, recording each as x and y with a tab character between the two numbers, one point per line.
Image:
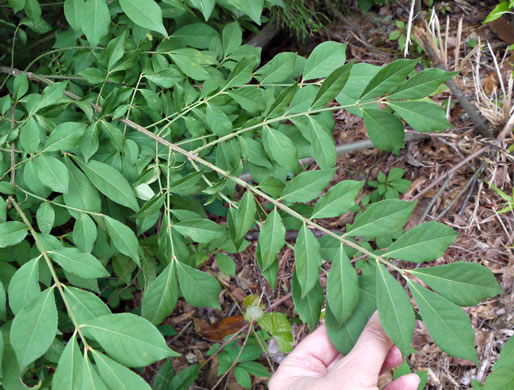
497	107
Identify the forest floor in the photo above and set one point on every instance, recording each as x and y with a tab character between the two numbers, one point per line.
451	174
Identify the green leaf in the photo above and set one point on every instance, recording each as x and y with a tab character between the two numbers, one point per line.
52	173
30	136
202	231
205	6
245	216
64	137
280	148
338	200
12	233
342	287
278	69
232	37
90	378
324	59
226	264
79	263
307	260
110	182
160	298
166	78
243	377
34	328
84	305
53	94
117	376
188	185
500	379
241	75
360	75
307	185
197	35
95	20
496	13
281	102
332	85
84	233
344	337
131	340
252	8
506	354
465	284
271	239
115	134
218	121
388	78
21	85
279	327
74	11
422	116
198	288
24	285
81	194
395	310
115	50
255	369
384	129
308	308
144	13
382	218
68	375
94	75
3	312
448	324
16	5
421	84
189	62
123	238
323	144
45	217
425	242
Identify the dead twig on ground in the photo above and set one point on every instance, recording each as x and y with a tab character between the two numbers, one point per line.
438	56
454	169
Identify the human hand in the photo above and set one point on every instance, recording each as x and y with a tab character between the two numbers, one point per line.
316	364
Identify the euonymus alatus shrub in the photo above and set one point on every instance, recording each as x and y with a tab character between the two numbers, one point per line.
121	151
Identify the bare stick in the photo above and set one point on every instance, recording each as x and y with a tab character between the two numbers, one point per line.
454	169
475	117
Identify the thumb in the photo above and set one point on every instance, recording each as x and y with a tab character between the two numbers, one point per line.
365	360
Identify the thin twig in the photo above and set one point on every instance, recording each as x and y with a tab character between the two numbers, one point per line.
454	169
466	198
475	175
434	199
474	115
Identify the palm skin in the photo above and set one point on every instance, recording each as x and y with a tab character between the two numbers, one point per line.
316	364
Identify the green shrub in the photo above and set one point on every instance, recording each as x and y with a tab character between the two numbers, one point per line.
121	151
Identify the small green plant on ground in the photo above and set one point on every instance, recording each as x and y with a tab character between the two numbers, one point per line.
503	8
509	200
121	148
387	187
400	34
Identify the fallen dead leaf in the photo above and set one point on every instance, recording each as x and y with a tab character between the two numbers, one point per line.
218	331
491	83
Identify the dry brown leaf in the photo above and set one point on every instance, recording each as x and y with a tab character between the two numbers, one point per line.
218	331
491	83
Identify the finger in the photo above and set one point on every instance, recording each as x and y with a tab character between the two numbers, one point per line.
318	346
393	359
405	382
369	353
